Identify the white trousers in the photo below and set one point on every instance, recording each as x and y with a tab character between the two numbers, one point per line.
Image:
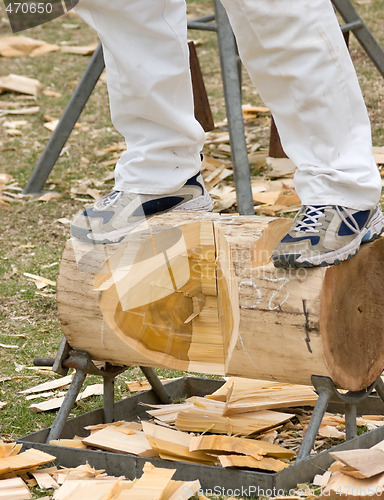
295	55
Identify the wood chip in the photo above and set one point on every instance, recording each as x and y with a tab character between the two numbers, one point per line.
343	486
112	439
246	395
173	443
9	449
40	280
85	50
150	486
368	462
69	443
279	167
55	403
168	413
329	431
14	489
45	480
47	386
49	197
22	84
80	489
203	420
29	459
135	426
270	464
16	46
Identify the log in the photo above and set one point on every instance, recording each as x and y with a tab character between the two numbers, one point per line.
199	293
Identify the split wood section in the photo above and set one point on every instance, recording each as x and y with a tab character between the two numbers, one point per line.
199	293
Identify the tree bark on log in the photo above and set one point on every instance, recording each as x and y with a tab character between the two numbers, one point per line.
199	293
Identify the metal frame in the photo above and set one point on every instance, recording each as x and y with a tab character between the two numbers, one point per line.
81	361
253	483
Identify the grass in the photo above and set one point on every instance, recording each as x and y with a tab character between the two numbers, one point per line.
32	238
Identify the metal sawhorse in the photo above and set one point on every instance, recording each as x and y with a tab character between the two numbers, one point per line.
81	361
232	93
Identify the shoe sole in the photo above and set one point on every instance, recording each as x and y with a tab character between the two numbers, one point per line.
371	233
202	203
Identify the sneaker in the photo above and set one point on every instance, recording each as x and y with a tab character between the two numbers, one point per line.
325	235
116	214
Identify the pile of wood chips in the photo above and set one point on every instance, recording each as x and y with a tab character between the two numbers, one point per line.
83	481
250	424
355	474
235	415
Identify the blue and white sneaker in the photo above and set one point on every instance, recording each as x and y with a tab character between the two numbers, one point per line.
116	214
325	235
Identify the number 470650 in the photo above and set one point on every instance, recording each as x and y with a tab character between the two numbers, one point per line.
29	8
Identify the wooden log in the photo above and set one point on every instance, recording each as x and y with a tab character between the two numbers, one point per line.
199	293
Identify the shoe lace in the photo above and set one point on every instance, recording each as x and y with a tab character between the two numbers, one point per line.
311	215
348	219
107	200
310	220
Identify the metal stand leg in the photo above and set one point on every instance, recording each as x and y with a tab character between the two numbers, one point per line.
83	364
67	122
109	399
328	393
156	385
65	409
313	426
232	94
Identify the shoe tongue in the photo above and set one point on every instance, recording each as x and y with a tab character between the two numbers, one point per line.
107	200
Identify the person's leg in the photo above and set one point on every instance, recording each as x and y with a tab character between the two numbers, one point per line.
297	58
147	63
149	85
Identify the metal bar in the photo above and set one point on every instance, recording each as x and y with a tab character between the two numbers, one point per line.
62	354
194	25
313	426
350	421
362	33
379	387
351	26
156	385
67	122
43	361
109	399
68	403
232	95
205	19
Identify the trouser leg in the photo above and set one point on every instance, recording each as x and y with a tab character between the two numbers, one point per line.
297	58
150	91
